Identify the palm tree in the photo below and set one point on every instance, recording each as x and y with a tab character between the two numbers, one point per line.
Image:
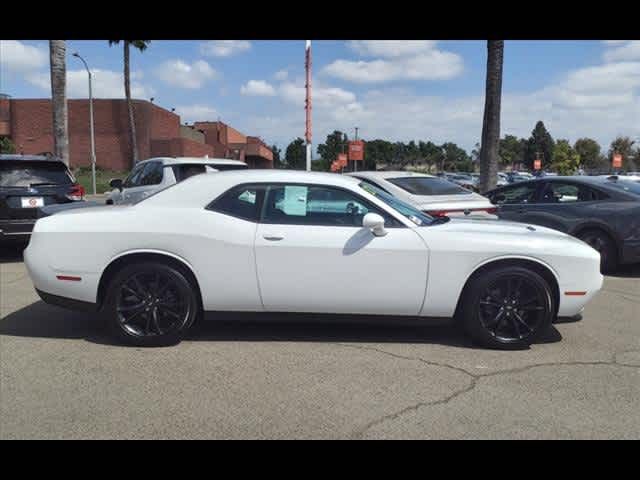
58	69
142	46
491	123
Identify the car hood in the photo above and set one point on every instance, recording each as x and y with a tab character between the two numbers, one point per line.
497	227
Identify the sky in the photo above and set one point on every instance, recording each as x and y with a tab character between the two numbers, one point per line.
396	90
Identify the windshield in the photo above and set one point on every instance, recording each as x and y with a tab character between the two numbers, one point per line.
413	214
23	173
428	186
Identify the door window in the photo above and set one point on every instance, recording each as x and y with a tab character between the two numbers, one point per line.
559	192
152	174
318	205
184	171
133	180
517	194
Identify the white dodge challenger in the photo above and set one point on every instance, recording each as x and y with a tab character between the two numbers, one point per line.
285	241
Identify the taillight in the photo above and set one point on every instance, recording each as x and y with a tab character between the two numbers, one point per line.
76	193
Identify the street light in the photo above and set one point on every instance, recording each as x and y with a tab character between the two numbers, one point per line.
93	144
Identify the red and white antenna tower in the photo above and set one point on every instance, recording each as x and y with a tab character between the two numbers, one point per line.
307	106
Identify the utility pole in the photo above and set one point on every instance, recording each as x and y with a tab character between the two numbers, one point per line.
93	142
355	162
307	134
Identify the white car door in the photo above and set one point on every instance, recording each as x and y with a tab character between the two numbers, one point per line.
313	255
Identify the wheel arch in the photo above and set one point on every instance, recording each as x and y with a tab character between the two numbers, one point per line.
538	266
129	257
603	227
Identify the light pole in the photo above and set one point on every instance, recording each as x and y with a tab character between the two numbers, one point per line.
93	143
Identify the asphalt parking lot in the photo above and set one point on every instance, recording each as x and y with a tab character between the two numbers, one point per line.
62	377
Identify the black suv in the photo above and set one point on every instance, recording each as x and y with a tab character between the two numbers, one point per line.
28	182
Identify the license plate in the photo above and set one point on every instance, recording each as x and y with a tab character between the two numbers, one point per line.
32	202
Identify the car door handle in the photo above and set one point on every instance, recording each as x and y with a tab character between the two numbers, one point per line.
272	238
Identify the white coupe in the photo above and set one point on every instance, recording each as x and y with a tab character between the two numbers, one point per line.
285	241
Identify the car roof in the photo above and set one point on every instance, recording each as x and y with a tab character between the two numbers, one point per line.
387	174
194	160
31	158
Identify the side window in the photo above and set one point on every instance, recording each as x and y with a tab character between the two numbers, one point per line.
558	192
524	193
182	172
243	201
152	174
133	180
318	205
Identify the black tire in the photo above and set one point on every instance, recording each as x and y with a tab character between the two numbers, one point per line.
150	304
605	245
507	307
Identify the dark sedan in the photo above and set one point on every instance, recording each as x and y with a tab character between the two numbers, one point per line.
603	212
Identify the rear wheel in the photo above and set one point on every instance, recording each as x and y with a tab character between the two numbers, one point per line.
150	304
603	243
507	308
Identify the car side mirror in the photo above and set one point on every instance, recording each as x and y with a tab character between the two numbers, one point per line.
375	223
116	183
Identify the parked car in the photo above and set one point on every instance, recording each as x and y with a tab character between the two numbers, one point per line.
28	183
602	211
434	195
155	174
462	179
274	241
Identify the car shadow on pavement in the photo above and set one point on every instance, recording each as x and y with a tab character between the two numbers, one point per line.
40	320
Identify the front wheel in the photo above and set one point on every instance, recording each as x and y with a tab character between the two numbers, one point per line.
507	307
150	304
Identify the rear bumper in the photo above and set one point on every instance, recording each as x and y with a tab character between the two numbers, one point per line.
16	228
68	303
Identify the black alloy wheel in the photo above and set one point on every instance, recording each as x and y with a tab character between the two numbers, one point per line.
151	304
508	307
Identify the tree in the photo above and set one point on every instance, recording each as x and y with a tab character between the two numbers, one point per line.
6	145
58	69
624	146
566	159
431	153
277	161
540	143
589	151
491	122
142	46
511	150
295	155
377	152
335	143
455	158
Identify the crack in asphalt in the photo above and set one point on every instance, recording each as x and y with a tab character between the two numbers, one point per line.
474	378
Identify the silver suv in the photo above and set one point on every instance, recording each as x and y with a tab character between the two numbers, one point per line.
155	174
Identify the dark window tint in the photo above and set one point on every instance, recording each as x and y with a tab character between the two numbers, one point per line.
318	205
524	193
152	174
560	192
184	171
629	186
224	167
366	181
243	201
428	186
133	179
24	173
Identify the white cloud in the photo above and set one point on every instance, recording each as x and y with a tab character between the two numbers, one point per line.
623	51
281	75
258	88
402	60
196	113
390	48
16	56
321	96
178	73
224	48
105	84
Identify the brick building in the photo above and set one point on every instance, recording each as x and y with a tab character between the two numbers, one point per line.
28	122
